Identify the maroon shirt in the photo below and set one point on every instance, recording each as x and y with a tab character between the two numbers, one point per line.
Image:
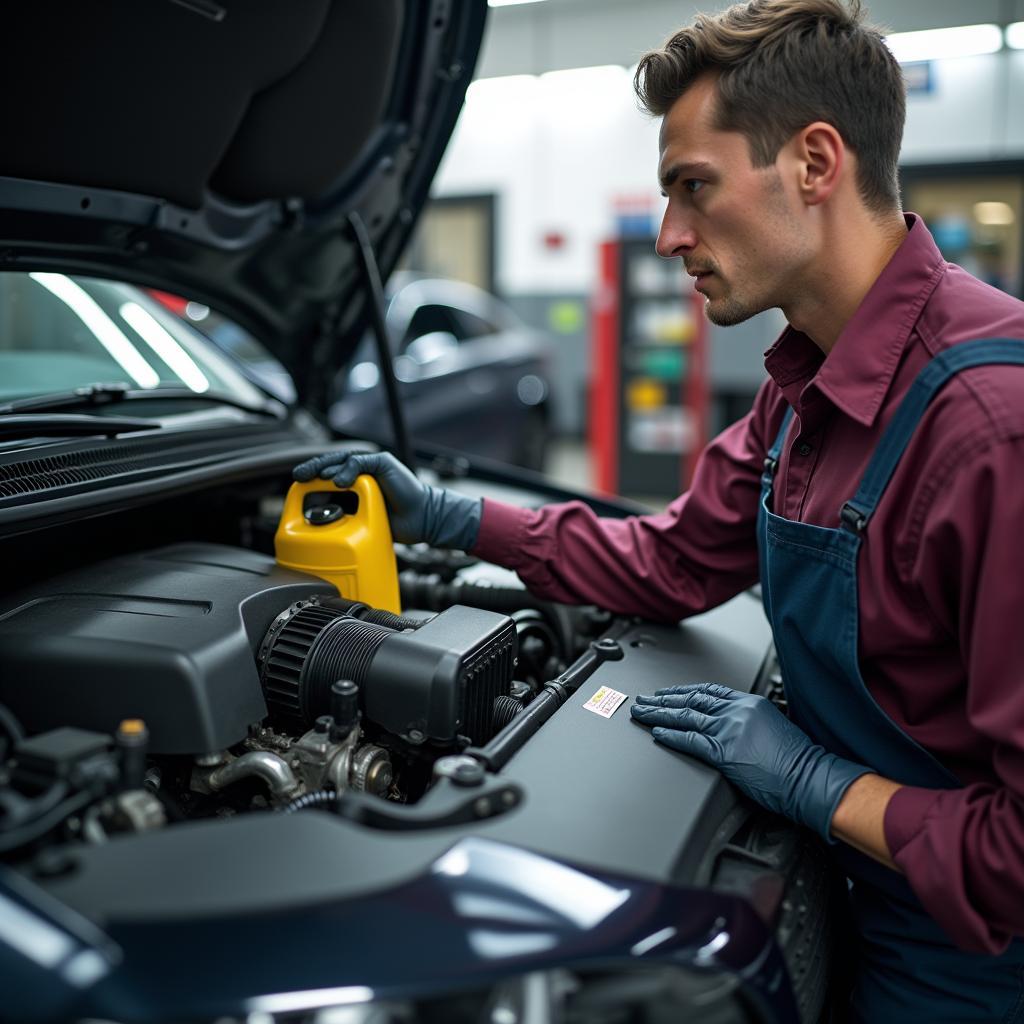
940	572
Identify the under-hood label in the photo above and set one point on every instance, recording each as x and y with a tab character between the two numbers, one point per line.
605	702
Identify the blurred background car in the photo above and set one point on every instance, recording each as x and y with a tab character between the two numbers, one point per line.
471	375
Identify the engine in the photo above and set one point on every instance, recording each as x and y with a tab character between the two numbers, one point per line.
240	684
199	682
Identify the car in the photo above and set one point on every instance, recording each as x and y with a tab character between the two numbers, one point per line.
257	763
471	375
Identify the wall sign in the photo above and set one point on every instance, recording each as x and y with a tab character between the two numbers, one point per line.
918	77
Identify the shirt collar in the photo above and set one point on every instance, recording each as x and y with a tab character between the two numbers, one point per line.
858	372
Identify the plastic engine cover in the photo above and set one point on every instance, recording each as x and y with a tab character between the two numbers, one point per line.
167	636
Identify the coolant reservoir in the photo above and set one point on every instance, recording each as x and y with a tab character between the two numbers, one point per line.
343	536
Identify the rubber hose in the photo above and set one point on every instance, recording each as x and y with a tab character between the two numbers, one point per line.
358	610
431	593
505	709
322	798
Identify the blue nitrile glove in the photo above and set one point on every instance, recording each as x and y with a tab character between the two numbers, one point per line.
418	512
755	747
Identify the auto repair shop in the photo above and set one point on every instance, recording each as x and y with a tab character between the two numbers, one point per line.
486	539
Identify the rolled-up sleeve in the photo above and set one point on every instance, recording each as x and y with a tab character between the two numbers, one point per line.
962	850
696	554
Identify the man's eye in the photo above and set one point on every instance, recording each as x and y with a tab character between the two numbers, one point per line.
693	184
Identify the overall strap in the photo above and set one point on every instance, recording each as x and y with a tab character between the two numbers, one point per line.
771	463
985	351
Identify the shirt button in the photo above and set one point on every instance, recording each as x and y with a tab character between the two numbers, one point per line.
805	448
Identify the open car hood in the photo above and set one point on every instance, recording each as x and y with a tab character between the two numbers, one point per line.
218	149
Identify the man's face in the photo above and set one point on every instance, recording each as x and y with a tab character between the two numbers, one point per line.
738	231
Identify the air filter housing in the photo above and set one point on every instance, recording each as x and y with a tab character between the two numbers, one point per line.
435	682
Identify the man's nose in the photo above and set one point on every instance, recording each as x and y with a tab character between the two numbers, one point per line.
676	237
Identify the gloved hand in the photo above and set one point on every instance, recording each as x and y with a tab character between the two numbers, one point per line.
755	747
418	512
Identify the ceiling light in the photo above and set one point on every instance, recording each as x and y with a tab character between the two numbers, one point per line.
584	83
937	43
1015	35
509	89
994	213
592	73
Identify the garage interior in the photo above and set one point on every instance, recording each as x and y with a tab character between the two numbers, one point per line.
551	158
368	654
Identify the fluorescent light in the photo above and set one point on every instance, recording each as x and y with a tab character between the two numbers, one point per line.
582	97
994	213
516	90
508	89
159	339
511	3
109	335
1015	35
938	43
585	88
584	76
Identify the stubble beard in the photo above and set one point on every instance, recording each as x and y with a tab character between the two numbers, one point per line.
727	312
790	251
729	309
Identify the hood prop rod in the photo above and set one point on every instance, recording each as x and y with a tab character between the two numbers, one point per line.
375	294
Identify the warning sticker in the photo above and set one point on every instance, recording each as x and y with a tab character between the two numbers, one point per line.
605	702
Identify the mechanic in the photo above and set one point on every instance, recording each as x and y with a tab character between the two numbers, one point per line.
873	489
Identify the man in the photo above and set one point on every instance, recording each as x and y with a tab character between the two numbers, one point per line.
882	517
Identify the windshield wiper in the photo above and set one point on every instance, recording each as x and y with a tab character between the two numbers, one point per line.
71	425
105	394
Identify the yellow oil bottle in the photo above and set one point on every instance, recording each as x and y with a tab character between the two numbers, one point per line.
343	536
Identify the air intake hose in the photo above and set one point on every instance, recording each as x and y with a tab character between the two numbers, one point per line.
434	680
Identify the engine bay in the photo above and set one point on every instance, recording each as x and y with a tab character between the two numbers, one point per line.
261	688
189	717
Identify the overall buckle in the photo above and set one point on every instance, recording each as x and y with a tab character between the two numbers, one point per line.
853	520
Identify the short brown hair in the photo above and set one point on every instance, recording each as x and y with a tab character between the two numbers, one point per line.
783	64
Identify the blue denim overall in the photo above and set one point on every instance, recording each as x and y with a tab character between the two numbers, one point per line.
908	969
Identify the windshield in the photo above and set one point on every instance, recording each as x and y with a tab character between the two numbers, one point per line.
59	332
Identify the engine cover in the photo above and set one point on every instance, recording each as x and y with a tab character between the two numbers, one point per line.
168	636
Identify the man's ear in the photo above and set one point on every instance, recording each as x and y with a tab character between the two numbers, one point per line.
821	159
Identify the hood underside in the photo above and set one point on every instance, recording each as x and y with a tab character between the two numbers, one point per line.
219	150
